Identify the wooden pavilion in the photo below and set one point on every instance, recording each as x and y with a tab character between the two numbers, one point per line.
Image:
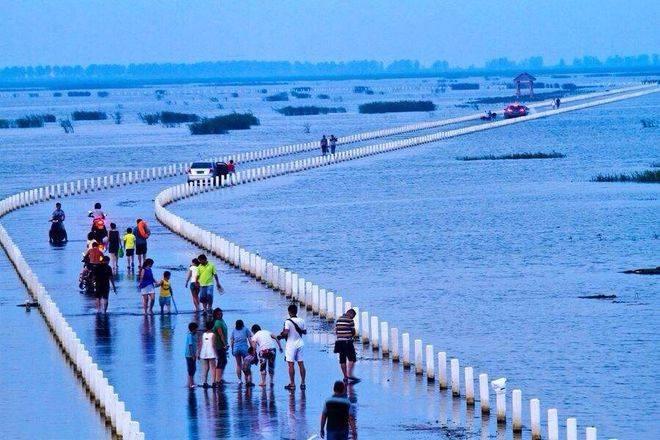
524	78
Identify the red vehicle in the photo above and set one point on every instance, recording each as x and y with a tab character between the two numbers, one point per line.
515	111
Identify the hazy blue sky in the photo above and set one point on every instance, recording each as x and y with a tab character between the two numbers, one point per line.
462	31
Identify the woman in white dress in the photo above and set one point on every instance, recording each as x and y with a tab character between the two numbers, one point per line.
207	352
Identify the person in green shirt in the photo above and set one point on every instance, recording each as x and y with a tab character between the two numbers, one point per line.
206	273
221	345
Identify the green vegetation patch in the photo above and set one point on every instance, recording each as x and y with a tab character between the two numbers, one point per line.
222	124
648	176
515	156
397	107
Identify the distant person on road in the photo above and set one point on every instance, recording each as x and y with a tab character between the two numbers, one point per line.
221	346
165	292
206	274
264	343
294	329
207	353
345	332
103	278
192	280
338	415
333	143
324	145
147	285
557	102
113	247
142	234
129	246
239	343
231	167
191	353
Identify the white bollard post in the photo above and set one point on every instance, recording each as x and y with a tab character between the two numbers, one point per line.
535	416
484	393
405	350
339	306
516	413
315	299
419	369
455	377
365	327
571	428
500	405
469	385
330	315
385	339
430	363
374	333
442	370
553	424
323	303
394	337
591	433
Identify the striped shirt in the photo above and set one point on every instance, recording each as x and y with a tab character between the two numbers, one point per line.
345	328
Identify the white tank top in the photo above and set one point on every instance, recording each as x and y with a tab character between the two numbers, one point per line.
207	351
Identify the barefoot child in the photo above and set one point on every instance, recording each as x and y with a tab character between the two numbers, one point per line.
207	353
146	286
165	293
129	246
249	360
191	353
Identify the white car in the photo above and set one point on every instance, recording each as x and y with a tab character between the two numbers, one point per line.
201	171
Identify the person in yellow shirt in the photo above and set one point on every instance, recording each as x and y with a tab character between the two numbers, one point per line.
129	246
165	294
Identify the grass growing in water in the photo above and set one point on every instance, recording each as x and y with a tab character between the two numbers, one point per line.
515	156
648	176
309	110
284	96
222	124
397	106
88	116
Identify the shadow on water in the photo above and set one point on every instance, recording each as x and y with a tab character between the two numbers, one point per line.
103	333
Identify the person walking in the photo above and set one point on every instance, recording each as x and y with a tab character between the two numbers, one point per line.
191	353
147	285
221	346
206	274
207	353
333	143
103	278
142	234
239	343
338	416
324	145
191	279
231	167
294	329
264	344
113	247
129	246
345	332
165	293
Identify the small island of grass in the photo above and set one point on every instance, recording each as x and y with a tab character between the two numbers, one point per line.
309	110
222	124
648	176
515	156
397	107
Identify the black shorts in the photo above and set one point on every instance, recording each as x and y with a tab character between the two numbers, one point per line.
102	292
191	364
346	350
141	248
130	252
222	358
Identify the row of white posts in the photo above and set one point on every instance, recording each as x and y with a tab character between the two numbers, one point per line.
93	378
318	299
328	305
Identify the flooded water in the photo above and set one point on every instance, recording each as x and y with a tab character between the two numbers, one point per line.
489	259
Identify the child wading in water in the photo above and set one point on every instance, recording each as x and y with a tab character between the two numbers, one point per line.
207	353
191	353
147	286
165	294
129	246
249	360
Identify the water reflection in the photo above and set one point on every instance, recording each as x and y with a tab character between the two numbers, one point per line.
193	422
148	340
103	336
167	324
267	411
296	414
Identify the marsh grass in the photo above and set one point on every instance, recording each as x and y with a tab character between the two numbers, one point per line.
648	176
309	110
397	107
222	124
82	115
515	156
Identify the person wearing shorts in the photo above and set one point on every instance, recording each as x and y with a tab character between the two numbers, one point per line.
191	279
142	233
221	345
239	345
147	286
191	353
103	278
206	274
129	247
264	343
294	329
345	332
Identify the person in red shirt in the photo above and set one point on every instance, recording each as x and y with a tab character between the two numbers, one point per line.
94	255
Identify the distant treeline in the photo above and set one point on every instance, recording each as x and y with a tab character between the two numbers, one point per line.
285	69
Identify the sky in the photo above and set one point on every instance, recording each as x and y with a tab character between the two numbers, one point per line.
463	32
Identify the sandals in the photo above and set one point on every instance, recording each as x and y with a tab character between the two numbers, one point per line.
303	387
289	387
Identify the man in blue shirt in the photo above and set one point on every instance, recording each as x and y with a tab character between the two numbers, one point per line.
339	414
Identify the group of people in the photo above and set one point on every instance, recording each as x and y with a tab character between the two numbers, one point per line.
328	144
211	346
